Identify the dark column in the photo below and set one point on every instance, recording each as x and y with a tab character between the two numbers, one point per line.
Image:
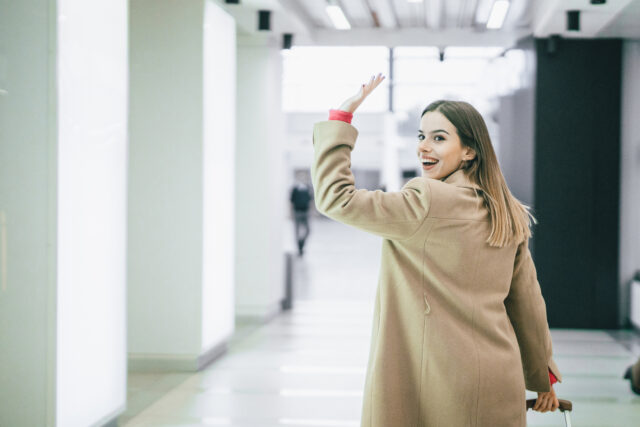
576	183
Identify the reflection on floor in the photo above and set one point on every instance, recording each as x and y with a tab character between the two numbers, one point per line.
306	367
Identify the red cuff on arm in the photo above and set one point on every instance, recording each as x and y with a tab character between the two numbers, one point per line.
552	378
345	116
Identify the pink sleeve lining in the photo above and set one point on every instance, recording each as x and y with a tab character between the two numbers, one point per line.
345	116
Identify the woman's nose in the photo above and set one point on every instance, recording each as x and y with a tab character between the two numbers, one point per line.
424	147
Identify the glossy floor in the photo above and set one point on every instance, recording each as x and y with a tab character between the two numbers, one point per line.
306	367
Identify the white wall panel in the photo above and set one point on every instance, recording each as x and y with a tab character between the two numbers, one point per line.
27	206
63	112
219	118
91	247
165	185
629	174
261	199
182	129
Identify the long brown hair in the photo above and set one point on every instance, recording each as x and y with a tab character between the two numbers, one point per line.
509	216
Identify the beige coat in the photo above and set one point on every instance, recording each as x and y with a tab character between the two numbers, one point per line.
459	327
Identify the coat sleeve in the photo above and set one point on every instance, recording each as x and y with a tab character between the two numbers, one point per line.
528	314
392	215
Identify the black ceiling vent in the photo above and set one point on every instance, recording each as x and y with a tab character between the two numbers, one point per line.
573	20
287	40
232	1
264	21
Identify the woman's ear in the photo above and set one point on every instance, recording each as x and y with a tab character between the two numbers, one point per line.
469	153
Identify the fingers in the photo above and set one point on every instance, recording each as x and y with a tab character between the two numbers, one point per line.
541	404
553	400
373	83
354	101
545	403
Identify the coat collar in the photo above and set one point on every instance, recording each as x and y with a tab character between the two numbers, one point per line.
459	178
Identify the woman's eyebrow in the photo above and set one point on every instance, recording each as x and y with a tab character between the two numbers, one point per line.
434	131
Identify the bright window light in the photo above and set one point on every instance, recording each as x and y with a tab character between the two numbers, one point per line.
430	52
472	52
498	13
337	17
309	85
465	74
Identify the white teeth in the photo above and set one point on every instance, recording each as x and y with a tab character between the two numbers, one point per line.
431	162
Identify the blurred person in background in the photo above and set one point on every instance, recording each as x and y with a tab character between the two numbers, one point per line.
300	199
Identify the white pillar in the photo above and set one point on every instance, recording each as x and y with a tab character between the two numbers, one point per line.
260	179
629	262
63	153
181	205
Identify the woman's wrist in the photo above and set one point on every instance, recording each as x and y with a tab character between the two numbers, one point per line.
337	114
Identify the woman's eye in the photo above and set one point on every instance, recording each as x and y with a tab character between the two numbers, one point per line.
421	137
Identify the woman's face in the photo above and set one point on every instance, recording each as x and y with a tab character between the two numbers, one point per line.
438	140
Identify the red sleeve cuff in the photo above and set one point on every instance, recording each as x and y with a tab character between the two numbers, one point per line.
552	378
345	116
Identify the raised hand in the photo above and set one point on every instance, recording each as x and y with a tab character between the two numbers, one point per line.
353	102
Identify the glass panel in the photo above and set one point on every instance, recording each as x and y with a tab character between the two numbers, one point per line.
473	74
424	52
317	78
432	71
486	52
409	97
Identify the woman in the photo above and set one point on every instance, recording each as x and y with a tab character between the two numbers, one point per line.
459	325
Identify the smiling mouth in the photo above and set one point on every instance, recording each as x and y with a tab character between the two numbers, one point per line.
429	163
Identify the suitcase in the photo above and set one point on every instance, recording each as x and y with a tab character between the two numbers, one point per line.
565	407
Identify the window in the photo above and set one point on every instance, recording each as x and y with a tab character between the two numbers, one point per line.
317	78
420	77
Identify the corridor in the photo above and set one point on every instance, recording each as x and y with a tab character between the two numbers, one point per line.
307	367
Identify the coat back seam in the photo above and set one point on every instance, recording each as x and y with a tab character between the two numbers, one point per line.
373	370
475	347
424	323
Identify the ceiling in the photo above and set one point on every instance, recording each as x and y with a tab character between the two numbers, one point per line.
433	22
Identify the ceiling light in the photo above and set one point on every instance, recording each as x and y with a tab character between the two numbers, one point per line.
337	17
498	13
